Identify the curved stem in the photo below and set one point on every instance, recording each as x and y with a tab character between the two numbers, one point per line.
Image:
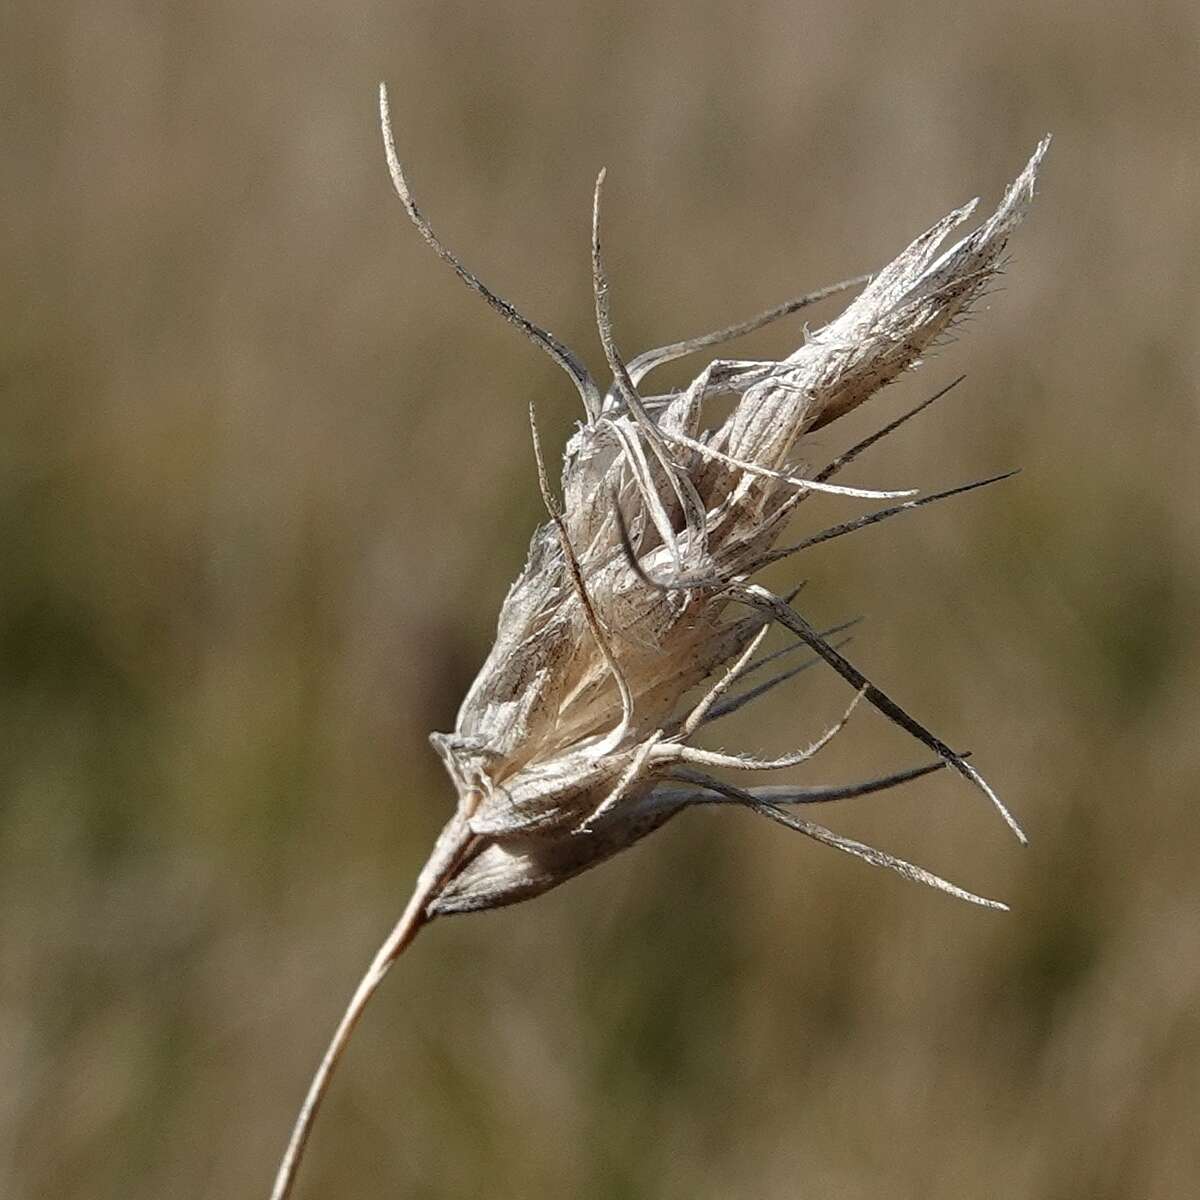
448	853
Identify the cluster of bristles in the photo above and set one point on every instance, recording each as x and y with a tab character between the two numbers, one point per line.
576	739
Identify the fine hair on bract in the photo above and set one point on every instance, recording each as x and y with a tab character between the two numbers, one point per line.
636	623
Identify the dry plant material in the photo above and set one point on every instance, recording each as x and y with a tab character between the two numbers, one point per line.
635	624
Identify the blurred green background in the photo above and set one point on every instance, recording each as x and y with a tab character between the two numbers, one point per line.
265	476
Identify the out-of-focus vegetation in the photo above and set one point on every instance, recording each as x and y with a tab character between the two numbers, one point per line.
264	476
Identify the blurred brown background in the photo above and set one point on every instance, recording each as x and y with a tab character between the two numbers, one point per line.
265	475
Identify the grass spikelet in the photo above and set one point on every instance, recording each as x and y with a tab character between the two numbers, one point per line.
576	738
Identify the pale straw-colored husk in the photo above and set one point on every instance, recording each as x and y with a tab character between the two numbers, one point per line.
635	622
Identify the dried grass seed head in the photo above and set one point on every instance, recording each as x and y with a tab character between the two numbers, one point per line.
575	739
568	742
